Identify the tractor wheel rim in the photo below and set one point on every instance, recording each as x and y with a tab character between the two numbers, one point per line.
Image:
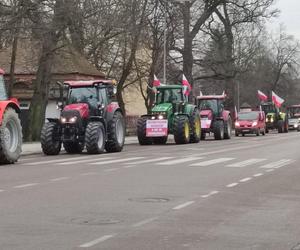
186	130
100	139
11	136
197	127
119	131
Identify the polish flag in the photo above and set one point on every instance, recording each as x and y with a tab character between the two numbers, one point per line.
277	100
187	86
262	96
156	82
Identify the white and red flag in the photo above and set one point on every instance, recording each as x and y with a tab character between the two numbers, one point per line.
187	86
277	100
156	82
262	96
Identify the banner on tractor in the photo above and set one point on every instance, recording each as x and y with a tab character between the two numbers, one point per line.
156	128
205	123
277	100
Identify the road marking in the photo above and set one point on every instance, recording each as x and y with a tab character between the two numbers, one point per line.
228	149
245	163
211	162
183	205
57	160
278	164
259	174
130	166
178	161
97	241
26	185
116	161
89	173
270	170
209	194
144	222
111	169
246	179
232	185
83	161
1	190
149	161
60	179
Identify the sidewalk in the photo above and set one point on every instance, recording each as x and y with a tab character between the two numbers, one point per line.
29	148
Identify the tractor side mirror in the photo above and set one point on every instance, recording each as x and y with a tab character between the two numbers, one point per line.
101	106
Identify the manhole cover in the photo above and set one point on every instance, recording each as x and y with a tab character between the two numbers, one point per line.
94	221
150	199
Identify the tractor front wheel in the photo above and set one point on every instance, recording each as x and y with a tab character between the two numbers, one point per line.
116	133
50	146
95	138
181	128
141	132
73	147
10	137
195	126
219	130
227	129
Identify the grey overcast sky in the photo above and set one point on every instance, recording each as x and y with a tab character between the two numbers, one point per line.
289	16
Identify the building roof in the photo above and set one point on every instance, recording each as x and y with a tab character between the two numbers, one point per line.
66	60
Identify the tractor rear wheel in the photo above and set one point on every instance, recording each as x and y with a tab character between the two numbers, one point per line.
160	140
227	129
73	147
10	137
219	130
195	126
116	133
141	132
181	129
50	146
95	138
280	125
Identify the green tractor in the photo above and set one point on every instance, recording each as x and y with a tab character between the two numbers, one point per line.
275	119
171	114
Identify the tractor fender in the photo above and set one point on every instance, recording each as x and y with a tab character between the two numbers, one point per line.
12	103
111	109
226	115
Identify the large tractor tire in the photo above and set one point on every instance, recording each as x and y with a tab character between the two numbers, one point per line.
50	146
195	126
10	137
73	147
116	133
219	130
280	126
95	138
160	140
228	128
181	129
141	132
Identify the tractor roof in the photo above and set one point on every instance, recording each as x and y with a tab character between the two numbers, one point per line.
89	83
1	72
170	87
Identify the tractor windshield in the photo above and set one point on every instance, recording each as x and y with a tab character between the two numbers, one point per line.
208	104
169	96
83	95
270	108
250	116
3	95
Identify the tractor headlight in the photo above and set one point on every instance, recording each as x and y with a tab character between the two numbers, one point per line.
254	124
237	124
271	119
152	117
73	119
63	119
160	117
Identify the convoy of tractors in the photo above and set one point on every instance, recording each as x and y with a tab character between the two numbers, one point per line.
91	119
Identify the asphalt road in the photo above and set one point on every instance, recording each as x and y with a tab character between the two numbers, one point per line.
242	193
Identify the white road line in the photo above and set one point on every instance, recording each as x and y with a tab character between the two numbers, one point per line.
89	173
245	163
246	179
60	179
178	161
270	170
211	162
58	160
111	169
232	185
259	174
183	205
26	185
278	164
83	161
1	190
97	241
149	161
209	194
144	222
129	166
228	149
116	161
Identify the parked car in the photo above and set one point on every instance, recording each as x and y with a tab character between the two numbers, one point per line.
250	122
294	117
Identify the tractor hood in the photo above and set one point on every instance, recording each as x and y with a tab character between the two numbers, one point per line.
163	107
82	108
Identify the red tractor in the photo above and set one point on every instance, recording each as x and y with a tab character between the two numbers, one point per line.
10	126
214	118
89	118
